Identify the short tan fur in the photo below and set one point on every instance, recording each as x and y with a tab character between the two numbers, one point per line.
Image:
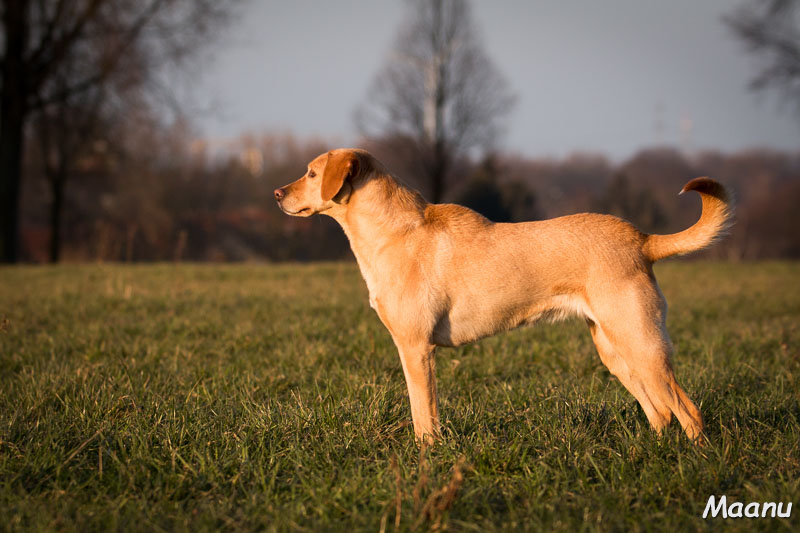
443	275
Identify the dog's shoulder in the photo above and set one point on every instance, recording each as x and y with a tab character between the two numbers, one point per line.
452	216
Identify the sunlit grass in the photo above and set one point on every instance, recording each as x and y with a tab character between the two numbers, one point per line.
248	397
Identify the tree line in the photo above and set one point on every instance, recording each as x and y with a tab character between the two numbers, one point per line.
107	177
170	197
73	70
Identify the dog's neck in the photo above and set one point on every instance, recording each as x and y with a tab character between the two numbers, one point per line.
378	212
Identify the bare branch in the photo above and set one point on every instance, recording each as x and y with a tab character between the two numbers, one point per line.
51	52
438	88
770	30
50	24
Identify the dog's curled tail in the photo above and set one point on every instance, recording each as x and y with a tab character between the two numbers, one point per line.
714	221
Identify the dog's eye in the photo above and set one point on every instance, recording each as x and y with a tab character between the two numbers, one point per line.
312	174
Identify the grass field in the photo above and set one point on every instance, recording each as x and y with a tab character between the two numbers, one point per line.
255	397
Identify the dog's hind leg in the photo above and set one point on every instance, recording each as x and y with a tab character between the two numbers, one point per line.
619	368
654	372
656	375
637	335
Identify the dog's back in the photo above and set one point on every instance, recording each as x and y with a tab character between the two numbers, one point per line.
443	275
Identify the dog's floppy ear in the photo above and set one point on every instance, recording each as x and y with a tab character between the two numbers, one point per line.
340	166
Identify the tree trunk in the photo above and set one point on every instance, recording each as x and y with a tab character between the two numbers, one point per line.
11	145
13	107
56	208
438	172
437	184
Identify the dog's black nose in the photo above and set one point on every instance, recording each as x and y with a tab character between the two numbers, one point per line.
279	194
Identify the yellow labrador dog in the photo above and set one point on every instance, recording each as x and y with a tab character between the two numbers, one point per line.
443	275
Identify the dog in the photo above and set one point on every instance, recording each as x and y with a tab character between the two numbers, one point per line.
443	275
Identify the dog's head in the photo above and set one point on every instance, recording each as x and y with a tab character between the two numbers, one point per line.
328	182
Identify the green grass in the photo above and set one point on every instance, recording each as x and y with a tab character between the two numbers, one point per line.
256	397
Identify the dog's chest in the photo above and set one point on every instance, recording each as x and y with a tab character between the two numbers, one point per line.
369	278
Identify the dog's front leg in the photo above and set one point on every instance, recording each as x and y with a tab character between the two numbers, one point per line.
420	371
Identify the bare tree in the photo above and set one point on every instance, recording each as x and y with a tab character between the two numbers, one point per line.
65	133
57	50
439	90
771	30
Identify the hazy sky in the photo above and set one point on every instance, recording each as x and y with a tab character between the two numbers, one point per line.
588	76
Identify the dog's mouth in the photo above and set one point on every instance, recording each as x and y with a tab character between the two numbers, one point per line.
305	210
